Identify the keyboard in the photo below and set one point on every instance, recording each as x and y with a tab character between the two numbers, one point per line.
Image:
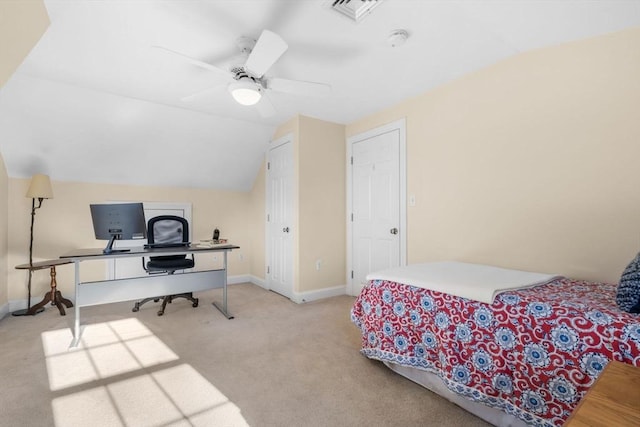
167	245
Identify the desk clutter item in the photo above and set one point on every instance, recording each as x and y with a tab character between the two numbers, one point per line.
53	295
209	243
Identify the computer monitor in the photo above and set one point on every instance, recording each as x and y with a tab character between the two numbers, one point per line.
121	221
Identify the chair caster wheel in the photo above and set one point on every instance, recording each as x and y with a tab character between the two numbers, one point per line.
195	304
160	313
135	309
156	299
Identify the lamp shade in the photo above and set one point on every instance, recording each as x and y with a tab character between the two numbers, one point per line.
40	187
245	92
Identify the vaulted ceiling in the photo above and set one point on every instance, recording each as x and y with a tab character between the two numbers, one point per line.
101	98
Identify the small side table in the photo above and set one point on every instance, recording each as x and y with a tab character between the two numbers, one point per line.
54	296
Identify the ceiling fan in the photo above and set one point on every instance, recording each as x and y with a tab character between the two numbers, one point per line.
246	80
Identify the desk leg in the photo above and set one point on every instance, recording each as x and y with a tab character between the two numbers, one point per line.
223	309
76	327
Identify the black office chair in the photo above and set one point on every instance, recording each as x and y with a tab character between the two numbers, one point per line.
167	229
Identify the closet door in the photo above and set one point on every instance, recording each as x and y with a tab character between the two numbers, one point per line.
280	217
376	199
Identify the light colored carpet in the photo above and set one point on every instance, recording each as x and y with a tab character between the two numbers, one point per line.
276	364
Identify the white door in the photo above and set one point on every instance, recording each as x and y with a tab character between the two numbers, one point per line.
377	204
280	209
132	267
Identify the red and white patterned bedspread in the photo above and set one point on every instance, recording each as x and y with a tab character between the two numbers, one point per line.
532	353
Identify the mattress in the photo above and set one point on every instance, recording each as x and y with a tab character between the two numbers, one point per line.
472	281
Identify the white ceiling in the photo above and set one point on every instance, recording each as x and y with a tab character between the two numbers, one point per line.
95	102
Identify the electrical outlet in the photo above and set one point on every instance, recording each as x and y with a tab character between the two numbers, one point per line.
318	264
412	200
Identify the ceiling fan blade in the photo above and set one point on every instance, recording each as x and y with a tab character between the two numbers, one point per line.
298	87
206	91
265	53
265	107
196	61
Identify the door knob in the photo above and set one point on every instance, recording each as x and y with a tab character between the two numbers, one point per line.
286	229
394	230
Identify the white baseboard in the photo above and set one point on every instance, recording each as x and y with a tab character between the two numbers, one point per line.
298	297
232	280
19	304
245	278
302	297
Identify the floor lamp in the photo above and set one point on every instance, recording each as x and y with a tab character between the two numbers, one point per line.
40	189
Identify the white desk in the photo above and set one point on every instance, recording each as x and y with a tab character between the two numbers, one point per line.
118	290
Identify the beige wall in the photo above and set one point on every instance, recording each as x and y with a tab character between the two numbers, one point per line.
321	201
22	23
530	163
64	223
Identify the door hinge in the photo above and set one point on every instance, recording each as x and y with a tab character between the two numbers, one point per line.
352	274
351	159
268	165
268	270
351	217
268	218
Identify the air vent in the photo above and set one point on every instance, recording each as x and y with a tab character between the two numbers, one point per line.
355	9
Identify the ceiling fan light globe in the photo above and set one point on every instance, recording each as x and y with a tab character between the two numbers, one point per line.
245	93
246	96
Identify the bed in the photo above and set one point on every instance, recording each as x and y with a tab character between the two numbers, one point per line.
523	352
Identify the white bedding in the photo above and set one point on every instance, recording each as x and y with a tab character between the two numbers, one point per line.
472	281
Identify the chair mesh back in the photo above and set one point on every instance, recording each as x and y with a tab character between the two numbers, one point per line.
167	231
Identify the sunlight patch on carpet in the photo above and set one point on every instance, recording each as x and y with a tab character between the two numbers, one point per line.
175	396
133	389
105	350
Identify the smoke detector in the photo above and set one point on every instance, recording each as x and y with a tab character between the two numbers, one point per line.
397	38
355	9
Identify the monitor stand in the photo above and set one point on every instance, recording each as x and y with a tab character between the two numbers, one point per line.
109	249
